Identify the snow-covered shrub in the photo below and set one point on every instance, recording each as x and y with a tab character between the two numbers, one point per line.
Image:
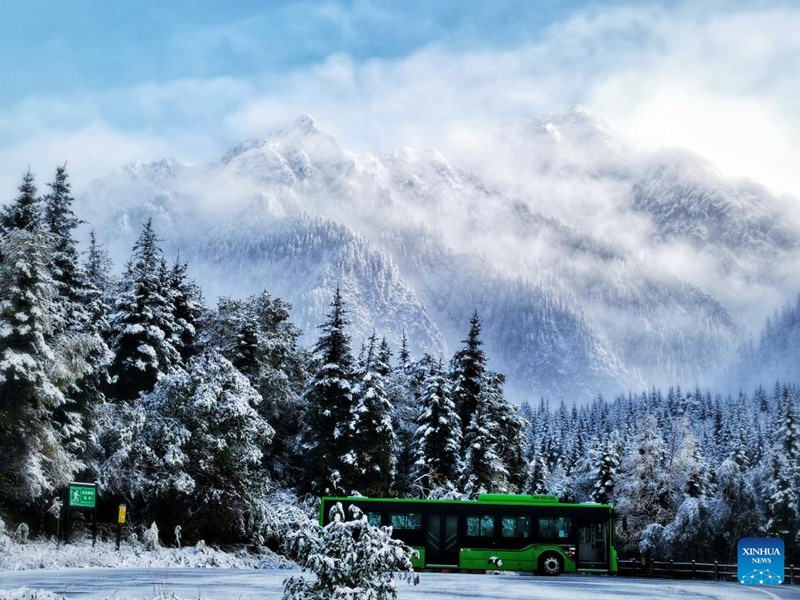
652	542
150	538
4	539
351	560
21	533
278	515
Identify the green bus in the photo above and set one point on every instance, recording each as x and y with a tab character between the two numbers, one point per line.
496	532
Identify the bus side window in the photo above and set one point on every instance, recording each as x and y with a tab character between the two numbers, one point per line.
555	528
374	519
406	521
480	526
519	527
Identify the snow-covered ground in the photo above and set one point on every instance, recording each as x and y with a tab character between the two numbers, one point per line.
251	584
49	555
45	571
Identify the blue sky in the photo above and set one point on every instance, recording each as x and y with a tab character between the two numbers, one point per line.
100	83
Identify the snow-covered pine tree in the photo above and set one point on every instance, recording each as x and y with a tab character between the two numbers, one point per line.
98	286
258	337
60	221
194	452
142	322
511	440
25	211
401	388
644	486
437	439
484	470
371	422
737	503
467	372
35	457
606	463
186	301
328	437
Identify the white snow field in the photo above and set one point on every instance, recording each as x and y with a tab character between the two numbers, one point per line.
267	584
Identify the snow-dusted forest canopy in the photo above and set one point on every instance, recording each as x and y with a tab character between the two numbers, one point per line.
210	417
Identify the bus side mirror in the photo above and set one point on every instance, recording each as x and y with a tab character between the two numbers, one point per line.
625	524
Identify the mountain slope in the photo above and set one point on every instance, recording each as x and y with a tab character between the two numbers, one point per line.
594	268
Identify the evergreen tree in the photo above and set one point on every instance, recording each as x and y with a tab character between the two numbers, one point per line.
538	475
437	439
371	419
606	464
25	211
736	503
402	386
143	322
187	308
98	285
256	335
643	490
60	221
468	370
328	437
350	558
194	451
34	447
484	470
510	441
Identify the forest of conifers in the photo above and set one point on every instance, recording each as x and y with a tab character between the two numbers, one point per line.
212	417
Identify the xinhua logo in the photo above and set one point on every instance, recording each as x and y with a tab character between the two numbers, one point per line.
761	561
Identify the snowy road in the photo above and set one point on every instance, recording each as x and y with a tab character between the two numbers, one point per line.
231	584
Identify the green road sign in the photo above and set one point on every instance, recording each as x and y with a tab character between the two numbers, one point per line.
82	495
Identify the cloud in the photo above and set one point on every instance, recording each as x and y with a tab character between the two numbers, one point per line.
716	78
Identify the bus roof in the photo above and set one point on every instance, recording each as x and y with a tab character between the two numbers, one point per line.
483	499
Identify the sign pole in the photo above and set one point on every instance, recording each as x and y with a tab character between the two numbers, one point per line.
121	516
81	495
66	519
94	526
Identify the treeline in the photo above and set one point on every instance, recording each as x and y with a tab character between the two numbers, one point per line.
690	473
194	415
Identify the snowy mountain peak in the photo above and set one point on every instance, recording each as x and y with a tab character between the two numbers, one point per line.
305	124
157	171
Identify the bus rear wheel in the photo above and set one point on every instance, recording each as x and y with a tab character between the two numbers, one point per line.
550	564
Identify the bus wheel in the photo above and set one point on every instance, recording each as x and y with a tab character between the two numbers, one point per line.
550	564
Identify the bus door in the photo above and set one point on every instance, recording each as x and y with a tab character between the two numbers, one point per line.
441	542
592	545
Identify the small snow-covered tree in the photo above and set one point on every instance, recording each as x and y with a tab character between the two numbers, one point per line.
350	560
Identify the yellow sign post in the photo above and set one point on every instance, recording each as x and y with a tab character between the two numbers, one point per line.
122	515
